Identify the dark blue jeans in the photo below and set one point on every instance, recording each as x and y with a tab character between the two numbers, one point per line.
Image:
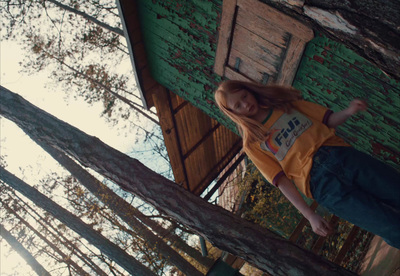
358	188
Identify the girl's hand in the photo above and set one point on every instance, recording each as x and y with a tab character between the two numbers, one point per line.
338	118
320	226
356	105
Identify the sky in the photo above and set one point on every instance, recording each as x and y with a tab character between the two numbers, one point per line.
27	160
23	156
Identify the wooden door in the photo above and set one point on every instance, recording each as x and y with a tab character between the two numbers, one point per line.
259	43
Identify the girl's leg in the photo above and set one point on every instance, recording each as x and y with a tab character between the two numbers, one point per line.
370	175
337	188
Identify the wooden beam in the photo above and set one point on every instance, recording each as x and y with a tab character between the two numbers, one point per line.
214	172
171	139
321	240
233	75
140	55
224	35
179	107
299	228
287	23
148	85
291	61
347	244
224	176
204	138
130	14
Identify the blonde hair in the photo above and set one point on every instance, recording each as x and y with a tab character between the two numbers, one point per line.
271	96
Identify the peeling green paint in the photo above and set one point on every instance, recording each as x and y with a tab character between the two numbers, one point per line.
332	75
190	23
181	37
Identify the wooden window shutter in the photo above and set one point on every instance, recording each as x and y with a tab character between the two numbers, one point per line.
259	43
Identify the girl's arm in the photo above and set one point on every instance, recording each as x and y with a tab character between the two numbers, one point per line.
338	118
319	225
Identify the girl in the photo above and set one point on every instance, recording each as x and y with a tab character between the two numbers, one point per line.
291	140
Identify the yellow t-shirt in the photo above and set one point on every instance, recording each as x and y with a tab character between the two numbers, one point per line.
295	138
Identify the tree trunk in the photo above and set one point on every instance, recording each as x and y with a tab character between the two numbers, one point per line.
63	257
25	254
120	207
88	17
251	242
181	245
125	260
60	236
368	27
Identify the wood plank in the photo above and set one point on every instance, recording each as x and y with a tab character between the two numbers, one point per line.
198	143
132	24
203	139
184	131
217	151
148	84
222	162
196	17
256	48
139	53
233	75
148	94
291	61
299	228
192	124
284	21
146	78
234	261
161	102
321	240
252	70
197	171
224	36
177	101
184	60
238	263
347	244
262	27
190	52
225	174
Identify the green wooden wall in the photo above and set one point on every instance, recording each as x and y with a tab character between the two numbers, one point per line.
180	38
332	75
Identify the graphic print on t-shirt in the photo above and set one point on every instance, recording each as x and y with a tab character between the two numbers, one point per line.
284	133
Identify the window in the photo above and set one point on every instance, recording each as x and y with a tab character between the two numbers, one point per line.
259	43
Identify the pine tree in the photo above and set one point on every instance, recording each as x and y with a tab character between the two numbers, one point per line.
125	211
116	253
228	232
18	247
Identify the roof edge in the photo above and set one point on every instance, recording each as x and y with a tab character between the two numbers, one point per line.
131	55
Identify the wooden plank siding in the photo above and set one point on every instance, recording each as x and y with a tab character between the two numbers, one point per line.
198	146
180	43
332	75
180	38
206	146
